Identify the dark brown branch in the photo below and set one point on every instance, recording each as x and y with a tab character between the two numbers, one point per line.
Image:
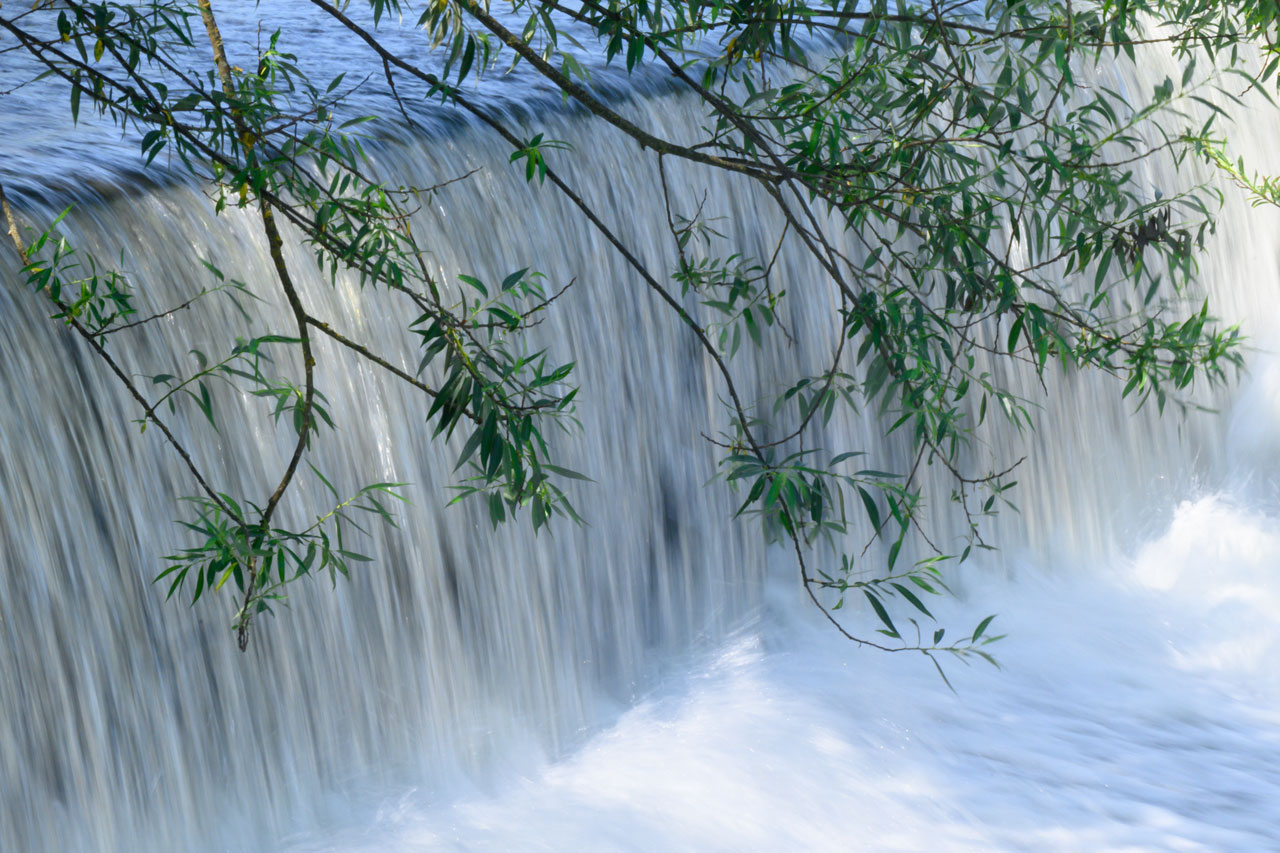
148	410
275	247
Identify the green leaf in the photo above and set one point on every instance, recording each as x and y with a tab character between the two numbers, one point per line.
838	458
513	279
469	448
911	597
467	59
565	472
326	482
882	613
873	512
497	509
775	488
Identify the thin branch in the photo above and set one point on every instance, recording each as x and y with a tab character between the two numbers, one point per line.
275	247
148	410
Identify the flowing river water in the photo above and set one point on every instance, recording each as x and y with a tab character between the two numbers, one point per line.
653	680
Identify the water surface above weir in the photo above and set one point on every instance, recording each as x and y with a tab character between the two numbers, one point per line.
48	156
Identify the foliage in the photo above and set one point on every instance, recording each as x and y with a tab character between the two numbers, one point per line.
984	172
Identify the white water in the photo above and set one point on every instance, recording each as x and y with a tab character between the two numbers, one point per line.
654	681
1127	717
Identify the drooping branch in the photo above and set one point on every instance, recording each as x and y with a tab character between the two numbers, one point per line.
148	410
275	247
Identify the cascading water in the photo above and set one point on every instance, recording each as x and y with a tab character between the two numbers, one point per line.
476	688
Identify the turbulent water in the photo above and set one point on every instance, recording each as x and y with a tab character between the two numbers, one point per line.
654	680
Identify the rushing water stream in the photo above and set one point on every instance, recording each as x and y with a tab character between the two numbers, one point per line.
654	680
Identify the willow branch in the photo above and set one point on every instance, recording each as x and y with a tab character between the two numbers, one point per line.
275	247
148	409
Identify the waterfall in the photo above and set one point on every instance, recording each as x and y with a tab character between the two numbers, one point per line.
463	656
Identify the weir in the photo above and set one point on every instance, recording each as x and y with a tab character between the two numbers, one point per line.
463	656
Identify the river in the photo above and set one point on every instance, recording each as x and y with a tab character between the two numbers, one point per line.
653	680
